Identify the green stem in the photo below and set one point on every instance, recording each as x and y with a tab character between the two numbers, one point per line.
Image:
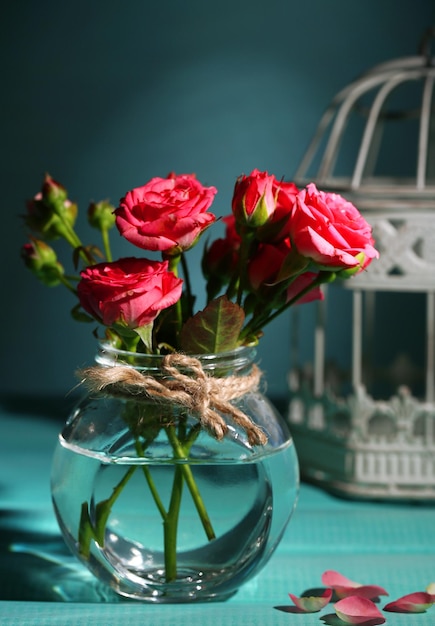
106	244
233	286
64	280
170	526
188	285
73	239
198	501
96	531
151	483
173	267
243	261
182	473
86	532
69	233
238	281
104	508
181	453
258	322
72	277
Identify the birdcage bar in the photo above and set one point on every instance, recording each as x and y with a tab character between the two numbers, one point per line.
423	143
430	335
357	353
319	350
339	126
373	121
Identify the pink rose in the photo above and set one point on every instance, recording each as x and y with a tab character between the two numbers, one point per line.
166	214
265	265
330	230
130	292
302	282
220	258
264	270
261	201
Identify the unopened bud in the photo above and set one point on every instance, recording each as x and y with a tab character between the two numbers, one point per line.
42	261
52	191
50	213
101	215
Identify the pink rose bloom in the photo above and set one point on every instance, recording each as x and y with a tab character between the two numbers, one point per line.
300	283
130	292
266	265
261	201
330	230
220	258
166	214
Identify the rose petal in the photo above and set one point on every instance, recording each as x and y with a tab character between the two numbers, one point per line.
312	604
356	610
333	579
345	587
363	591
411	603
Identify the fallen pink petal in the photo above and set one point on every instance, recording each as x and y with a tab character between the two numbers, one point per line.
417	602
357	610
345	587
312	604
331	578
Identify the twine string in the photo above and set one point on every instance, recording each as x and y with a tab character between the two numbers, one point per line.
186	384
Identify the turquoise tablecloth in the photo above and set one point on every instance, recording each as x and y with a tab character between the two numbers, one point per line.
392	545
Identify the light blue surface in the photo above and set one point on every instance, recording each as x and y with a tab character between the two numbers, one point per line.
391	545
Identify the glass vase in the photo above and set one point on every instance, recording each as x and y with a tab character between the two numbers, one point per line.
159	507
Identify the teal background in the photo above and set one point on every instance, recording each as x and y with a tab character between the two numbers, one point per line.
105	95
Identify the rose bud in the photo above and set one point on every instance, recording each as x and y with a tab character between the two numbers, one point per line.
41	259
262	202
50	213
101	215
52	191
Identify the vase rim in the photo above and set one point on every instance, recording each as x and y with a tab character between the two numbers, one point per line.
239	357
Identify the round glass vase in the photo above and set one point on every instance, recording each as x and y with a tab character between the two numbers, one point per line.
158	508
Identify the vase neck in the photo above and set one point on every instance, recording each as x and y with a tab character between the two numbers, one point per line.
235	362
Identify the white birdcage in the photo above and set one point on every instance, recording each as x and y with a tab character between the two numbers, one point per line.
375	145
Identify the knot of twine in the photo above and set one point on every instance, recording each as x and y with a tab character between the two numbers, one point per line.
184	383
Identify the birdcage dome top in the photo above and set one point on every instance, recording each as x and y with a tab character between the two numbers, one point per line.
376	140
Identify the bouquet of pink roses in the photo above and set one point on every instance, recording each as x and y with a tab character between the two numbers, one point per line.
280	245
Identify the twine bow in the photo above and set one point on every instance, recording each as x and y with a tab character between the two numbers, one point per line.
184	383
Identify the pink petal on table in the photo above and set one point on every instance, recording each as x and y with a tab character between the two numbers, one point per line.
312	604
411	603
363	591
345	587
357	610
330	578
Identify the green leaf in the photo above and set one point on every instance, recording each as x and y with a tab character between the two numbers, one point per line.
146	334
214	329
294	264
86	532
